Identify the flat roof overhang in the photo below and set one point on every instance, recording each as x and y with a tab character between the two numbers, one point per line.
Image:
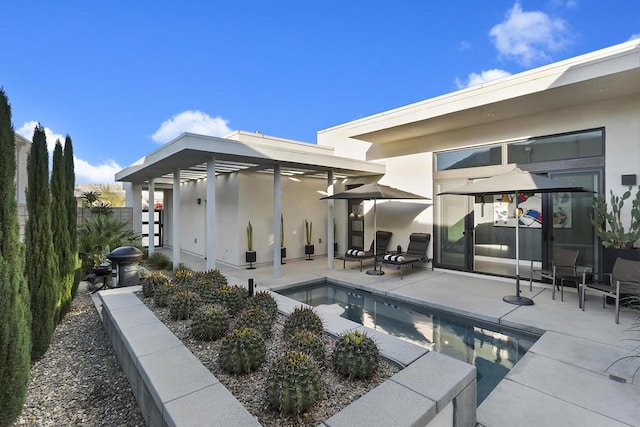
595	77
190	153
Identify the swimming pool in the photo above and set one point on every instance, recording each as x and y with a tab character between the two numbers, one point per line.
492	349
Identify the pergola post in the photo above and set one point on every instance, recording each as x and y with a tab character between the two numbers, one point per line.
277	211
175	216
211	213
330	220
152	216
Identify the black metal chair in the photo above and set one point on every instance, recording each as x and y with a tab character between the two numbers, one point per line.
382	242
623	280
563	268
416	252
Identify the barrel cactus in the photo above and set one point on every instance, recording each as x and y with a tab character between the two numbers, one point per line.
293	382
206	289
309	343
163	293
183	304
214	276
152	281
242	351
256	318
356	355
210	323
184	279
265	301
233	298
303	318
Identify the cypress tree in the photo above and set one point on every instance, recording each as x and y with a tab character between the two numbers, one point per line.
60	230
72	211
15	317
41	260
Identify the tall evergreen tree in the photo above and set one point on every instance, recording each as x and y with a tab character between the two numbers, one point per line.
41	260
15	316
60	230
72	211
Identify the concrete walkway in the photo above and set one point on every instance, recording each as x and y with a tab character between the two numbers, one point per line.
563	380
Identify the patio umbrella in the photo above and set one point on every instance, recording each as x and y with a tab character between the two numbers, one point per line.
515	182
375	192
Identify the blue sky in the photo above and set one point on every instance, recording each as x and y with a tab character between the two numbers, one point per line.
124	77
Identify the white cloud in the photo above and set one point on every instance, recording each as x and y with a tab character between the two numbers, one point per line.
634	37
485	76
529	37
27	129
87	173
464	45
190	121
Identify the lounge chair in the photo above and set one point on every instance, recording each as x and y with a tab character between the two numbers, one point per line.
416	252
563	268
623	280
382	242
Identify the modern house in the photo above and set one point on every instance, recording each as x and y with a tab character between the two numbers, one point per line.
23	147
576	120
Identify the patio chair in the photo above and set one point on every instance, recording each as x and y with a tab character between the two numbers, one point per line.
354	255
621	284
416	252
563	268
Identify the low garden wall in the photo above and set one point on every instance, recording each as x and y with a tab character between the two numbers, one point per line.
173	388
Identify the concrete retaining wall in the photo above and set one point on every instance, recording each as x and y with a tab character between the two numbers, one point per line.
173	388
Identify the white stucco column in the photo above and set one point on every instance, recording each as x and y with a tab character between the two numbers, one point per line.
277	211
152	214
211	213
175	214
136	205
330	220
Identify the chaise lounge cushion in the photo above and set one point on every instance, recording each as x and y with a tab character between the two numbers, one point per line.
355	252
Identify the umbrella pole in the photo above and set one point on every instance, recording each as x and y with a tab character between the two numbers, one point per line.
517	299
375	271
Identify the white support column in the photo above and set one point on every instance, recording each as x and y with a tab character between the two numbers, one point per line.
330	220
152	214
136	205
211	213
277	211
175	214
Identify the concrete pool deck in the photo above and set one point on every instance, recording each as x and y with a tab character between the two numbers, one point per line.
562	381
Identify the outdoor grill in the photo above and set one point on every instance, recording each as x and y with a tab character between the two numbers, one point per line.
125	259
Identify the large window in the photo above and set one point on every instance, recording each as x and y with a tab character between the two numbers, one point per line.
469	158
558	147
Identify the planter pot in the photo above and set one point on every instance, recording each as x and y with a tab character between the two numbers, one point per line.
250	257
335	249
309	250
283	255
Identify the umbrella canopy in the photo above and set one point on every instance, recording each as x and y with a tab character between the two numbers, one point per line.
375	192
515	181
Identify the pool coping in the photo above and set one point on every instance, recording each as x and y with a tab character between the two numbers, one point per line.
173	388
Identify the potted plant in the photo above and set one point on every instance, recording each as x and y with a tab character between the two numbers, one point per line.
283	249
617	239
335	241
250	255
308	248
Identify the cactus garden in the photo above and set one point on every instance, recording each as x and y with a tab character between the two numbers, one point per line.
284	369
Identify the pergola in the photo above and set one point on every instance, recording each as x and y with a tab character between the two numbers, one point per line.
193	157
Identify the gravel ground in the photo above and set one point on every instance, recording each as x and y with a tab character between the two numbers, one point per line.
79	381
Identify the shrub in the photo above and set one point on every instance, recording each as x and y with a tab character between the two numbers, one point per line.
303	318
242	351
159	261
210	323
183	304
356	355
293	383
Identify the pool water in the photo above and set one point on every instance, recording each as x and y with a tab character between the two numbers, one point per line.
492	349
